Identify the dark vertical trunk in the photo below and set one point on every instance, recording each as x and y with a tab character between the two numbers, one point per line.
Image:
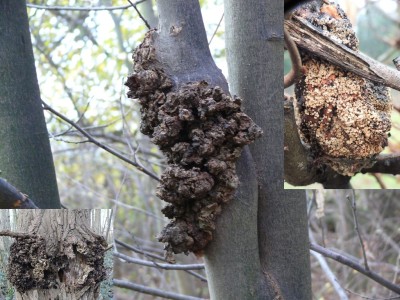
254	40
25	155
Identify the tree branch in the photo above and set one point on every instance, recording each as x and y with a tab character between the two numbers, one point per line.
356	227
328	272
157	265
317	43
356	266
140	15
11	198
385	163
98	143
298	166
151	291
295	72
12	234
82	8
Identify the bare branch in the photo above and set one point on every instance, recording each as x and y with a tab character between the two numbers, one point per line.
15	234
356	228
82	8
298	166
317	43
372	298
140	15
385	163
216	29
295	72
378	178
356	266
157	265
98	143
151	291
11	198
154	256
329	273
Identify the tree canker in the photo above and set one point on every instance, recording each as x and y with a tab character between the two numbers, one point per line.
202	130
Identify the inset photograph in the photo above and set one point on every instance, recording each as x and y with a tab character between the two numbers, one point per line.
342	100
56	254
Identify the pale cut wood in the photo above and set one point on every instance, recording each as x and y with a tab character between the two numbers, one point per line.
311	39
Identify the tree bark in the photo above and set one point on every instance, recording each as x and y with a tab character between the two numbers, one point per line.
232	262
25	154
56	255
254	41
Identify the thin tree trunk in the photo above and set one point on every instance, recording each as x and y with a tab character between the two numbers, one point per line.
232	260
25	155
56	255
254	40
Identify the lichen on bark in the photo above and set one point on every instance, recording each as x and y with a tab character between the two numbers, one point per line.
343	118
201	129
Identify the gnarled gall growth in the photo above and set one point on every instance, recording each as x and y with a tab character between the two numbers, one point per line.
201	129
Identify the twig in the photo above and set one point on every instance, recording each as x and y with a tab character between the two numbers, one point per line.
151	291
152	256
98	143
325	267
295	73
157	265
369	298
216	29
356	228
81	8
140	15
379	180
356	266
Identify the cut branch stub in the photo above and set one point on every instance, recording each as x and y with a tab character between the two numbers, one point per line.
202	130
344	118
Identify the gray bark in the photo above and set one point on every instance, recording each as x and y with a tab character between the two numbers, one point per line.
71	267
254	40
232	260
25	154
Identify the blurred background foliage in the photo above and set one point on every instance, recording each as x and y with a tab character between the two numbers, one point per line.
377	25
83	59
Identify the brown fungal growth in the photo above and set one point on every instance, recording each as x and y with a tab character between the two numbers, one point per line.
78	265
201	129
342	117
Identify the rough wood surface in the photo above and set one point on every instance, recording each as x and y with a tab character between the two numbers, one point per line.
315	42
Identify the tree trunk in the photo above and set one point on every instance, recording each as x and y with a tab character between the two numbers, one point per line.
56	255
254	254
25	155
232	263
4	246
254	41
